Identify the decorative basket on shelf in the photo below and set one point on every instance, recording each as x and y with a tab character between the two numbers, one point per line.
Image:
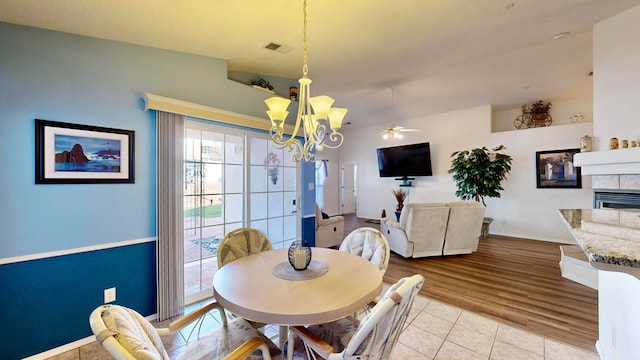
534	115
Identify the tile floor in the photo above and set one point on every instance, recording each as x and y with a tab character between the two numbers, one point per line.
434	330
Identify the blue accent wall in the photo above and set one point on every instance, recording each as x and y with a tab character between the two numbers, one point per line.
308	170
48	301
45	303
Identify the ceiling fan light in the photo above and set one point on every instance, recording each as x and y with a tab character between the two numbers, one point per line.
385	136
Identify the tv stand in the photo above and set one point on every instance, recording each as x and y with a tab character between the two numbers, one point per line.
405	181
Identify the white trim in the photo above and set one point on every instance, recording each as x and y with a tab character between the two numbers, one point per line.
162	103
17	259
619	161
62	349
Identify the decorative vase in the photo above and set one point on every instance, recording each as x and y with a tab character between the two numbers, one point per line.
613	143
274	179
586	143
299	255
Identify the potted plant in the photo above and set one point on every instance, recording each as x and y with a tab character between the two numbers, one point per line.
478	173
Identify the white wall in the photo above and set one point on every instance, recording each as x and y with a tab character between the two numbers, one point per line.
616	79
616	109
522	211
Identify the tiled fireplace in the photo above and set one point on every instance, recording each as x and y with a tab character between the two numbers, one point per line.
615	176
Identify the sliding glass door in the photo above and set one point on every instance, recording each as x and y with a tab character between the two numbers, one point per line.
232	178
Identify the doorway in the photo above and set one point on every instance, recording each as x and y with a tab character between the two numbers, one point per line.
348	181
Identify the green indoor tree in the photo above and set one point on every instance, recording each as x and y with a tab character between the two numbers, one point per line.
479	172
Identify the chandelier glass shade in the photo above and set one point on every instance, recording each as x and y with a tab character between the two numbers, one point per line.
320	122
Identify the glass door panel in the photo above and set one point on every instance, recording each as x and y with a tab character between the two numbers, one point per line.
229	185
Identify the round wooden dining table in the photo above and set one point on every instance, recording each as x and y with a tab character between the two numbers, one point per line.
249	288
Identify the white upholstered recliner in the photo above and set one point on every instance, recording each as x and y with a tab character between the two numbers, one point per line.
329	232
420	231
464	227
435	229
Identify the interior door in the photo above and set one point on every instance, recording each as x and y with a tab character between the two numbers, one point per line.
348	180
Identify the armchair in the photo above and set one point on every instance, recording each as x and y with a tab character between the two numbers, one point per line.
464	227
435	229
127	335
420	231
329	232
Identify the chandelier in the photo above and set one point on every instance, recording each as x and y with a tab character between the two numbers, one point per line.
321	126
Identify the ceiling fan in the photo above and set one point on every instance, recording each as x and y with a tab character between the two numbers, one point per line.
395	132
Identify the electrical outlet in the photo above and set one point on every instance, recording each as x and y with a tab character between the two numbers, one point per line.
109	295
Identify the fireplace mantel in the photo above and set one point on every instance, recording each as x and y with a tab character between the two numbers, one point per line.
609	162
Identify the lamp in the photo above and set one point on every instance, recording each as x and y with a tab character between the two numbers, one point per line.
321	126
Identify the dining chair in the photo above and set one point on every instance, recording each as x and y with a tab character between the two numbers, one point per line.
127	335
370	244
240	243
349	338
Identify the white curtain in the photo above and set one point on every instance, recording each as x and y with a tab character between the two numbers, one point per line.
170	214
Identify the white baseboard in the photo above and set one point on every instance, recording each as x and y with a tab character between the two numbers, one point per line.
600	351
62	349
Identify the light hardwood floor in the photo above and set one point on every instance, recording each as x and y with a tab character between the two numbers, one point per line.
516	281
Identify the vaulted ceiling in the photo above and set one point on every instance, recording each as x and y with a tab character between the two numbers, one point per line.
384	60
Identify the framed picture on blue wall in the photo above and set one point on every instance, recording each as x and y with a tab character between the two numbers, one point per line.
81	154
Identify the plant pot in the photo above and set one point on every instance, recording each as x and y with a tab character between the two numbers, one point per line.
484	233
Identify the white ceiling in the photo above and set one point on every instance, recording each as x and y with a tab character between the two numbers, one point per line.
385	60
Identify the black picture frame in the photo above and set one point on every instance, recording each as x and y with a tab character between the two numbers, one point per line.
82	154
555	170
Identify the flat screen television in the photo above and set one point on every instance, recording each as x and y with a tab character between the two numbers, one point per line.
404	161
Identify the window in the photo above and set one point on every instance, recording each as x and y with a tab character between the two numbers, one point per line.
233	178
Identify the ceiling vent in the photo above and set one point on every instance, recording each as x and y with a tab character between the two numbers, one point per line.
283	49
272	46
